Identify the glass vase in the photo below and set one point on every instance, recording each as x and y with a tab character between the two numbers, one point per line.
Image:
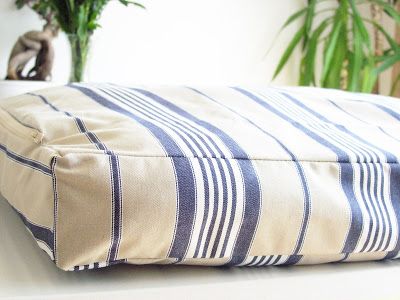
79	52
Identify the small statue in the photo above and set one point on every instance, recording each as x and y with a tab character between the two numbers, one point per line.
33	44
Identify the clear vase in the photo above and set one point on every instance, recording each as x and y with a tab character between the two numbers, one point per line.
79	52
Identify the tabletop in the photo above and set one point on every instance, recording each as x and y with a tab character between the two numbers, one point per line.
26	271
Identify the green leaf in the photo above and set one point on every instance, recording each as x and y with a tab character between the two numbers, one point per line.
393	44
294	17
128	2
369	75
308	74
289	50
388	62
394	85
333	78
81	22
357	61
289	20
308	21
358	22
330	47
389	9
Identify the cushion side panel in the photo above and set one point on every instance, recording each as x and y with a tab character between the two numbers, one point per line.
83	214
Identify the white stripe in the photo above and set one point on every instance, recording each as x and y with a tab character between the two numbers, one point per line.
262	261
228	208
395	229
160	122
45	248
204	133
348	141
219	210
239	213
256	262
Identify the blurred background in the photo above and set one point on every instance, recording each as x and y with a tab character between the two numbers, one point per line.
178	42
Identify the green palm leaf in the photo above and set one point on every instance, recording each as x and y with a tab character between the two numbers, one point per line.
289	50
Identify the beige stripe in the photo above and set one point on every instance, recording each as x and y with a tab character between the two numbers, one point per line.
84	209
278	230
149	207
330	210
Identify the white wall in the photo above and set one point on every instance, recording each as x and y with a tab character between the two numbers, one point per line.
173	42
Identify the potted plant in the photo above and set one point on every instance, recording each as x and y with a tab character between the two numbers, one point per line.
352	56
78	19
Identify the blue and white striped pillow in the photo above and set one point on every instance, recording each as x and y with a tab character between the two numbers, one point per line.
104	174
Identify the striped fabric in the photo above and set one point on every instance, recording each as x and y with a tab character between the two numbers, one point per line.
103	174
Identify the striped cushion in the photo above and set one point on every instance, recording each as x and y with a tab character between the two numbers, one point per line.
103	174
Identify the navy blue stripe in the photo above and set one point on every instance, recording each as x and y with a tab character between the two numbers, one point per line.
234	148
345	257
32	164
44	100
252	186
276	260
117	207
183	172
360	158
292	260
186	206
366	201
389	158
215	213
40	233
385	211
341	155
115	177
223	216
346	173
392	254
307	197
206	207
380	211
152	110
395	198
376	213
261	262
55	203
233	211
363	121
388	110
79	123
395	194
153	113
268	261
382	196
251	262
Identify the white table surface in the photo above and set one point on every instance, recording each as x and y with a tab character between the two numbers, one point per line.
26	271
9	88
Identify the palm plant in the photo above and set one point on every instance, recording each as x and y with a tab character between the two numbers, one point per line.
352	59
78	19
